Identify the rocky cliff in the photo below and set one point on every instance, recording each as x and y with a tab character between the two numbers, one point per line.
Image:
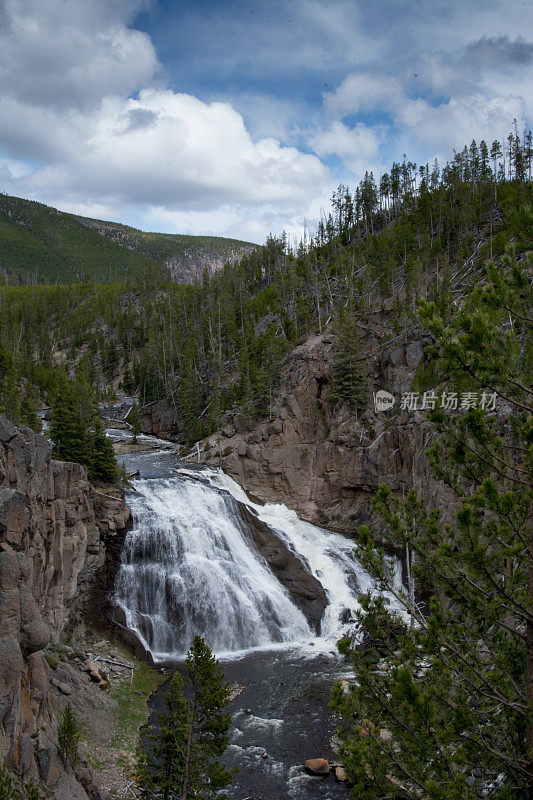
54	532
319	458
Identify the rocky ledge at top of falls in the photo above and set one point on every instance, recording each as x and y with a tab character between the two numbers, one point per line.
55	530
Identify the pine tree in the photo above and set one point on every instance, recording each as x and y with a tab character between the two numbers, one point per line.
68	736
181	761
102	463
28	409
69	424
348	368
448	714
77	431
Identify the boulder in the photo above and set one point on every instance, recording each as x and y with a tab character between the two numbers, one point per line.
414	354
7	430
317	766
12	515
276	426
340	774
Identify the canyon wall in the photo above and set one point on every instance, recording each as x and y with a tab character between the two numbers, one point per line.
55	529
318	457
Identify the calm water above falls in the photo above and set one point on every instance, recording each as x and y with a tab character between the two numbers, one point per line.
189	566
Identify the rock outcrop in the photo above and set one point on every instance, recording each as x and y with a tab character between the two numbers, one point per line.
319	458
306	591
161	418
53	534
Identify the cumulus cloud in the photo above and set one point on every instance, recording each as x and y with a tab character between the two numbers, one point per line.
364	91
165	148
105	135
357	146
186	154
66	54
459	120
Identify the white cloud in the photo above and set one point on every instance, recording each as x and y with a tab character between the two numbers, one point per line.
363	91
358	146
186	153
67	54
94	145
456	122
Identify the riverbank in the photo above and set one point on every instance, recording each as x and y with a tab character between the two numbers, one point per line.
110	717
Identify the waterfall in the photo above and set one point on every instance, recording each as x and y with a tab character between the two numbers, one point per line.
328	556
188	567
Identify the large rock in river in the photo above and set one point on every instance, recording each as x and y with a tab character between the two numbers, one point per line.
306	591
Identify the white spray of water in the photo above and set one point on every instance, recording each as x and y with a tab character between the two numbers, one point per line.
329	557
187	568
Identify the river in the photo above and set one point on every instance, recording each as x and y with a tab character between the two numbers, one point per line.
189	566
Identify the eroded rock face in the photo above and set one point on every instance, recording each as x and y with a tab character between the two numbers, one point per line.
306	591
320	459
161	419
53	536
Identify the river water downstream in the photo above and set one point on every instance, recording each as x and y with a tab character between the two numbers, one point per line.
190	565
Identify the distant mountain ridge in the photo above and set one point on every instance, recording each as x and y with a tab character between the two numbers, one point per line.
39	244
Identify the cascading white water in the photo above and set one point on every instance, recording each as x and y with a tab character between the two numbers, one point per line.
188	567
329	557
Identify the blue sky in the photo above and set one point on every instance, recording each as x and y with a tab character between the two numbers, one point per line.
240	118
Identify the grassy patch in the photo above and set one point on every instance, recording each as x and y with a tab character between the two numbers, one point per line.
132	710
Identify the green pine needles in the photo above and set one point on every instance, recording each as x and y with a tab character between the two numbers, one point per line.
181	761
77	431
68	737
442	703
349	369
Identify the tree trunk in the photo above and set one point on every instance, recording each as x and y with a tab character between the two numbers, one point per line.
184	786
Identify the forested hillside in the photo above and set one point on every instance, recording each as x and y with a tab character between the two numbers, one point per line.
185	257
424	232
39	244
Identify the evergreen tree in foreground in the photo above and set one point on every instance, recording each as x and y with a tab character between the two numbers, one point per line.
181	761
448	714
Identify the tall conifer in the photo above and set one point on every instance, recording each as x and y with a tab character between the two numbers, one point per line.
182	759
448	715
